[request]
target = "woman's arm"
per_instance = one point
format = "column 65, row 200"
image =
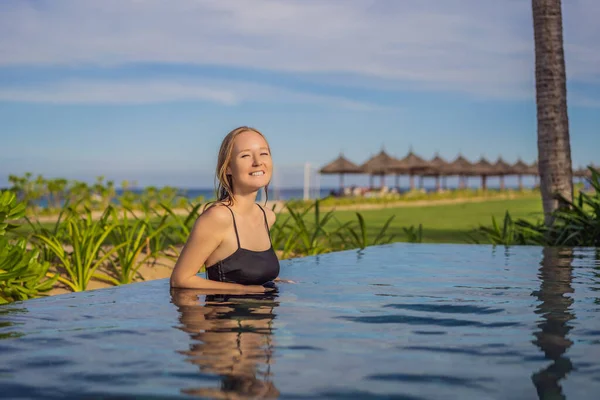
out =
column 206, row 235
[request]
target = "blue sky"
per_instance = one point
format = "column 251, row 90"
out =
column 145, row 90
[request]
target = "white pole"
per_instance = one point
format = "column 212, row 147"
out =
column 306, row 181
column 317, row 186
column 275, row 184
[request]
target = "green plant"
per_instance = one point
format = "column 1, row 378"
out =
column 85, row 237
column 414, row 235
column 133, row 234
column 504, row 235
column 22, row 275
column 183, row 225
column 10, row 211
column 57, row 231
column 311, row 238
column 511, row 232
column 156, row 243
column 579, row 223
column 282, row 236
column 356, row 236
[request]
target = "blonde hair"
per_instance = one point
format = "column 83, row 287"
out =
column 224, row 187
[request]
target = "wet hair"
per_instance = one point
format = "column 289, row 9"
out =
column 224, row 181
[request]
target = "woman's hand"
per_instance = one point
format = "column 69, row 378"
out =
column 258, row 289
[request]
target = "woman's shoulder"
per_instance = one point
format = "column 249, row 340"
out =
column 213, row 222
column 217, row 214
column 271, row 216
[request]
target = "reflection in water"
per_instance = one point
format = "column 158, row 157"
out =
column 231, row 337
column 556, row 275
column 7, row 327
column 596, row 278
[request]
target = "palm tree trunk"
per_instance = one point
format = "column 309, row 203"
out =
column 554, row 147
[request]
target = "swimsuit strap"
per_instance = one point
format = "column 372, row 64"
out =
column 234, row 227
column 266, row 223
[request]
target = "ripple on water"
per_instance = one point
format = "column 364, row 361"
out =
column 416, row 320
column 446, row 308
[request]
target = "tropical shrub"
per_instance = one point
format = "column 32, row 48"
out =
column 577, row 224
column 57, row 230
column 414, row 235
column 301, row 234
column 511, row 232
column 83, row 251
column 282, row 235
column 181, row 226
column 354, row 233
column 131, row 235
column 22, row 274
column 311, row 237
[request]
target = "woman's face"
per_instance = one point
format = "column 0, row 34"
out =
column 251, row 166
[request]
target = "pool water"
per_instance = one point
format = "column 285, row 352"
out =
column 407, row 321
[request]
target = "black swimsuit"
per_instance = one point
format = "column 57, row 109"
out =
column 246, row 267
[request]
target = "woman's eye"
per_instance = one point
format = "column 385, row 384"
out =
column 264, row 154
column 245, row 155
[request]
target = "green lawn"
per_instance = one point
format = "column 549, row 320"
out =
column 445, row 223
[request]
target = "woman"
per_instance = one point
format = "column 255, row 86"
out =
column 232, row 236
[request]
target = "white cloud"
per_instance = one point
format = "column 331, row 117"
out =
column 223, row 92
column 107, row 92
column 482, row 47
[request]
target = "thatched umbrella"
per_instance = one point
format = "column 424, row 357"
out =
column 580, row 172
column 534, row 171
column 341, row 166
column 484, row 169
column 462, row 168
column 520, row 168
column 380, row 164
column 584, row 172
column 502, row 168
column 437, row 167
column 412, row 165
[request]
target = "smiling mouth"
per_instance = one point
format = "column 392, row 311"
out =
column 258, row 173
